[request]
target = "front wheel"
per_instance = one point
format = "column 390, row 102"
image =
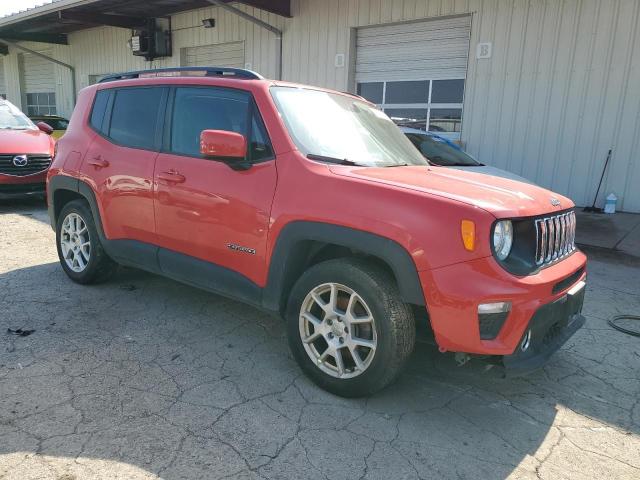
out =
column 79, row 249
column 348, row 328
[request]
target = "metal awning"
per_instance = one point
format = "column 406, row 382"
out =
column 52, row 22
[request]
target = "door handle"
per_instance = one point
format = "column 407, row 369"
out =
column 172, row 176
column 98, row 162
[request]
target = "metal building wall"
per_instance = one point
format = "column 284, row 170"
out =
column 104, row 50
column 561, row 88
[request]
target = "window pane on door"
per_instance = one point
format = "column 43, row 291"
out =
column 408, row 117
column 198, row 109
column 407, row 92
column 447, row 91
column 445, row 120
column 371, row 91
column 135, row 117
column 260, row 145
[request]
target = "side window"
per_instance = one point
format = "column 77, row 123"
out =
column 99, row 109
column 205, row 108
column 260, row 148
column 134, row 116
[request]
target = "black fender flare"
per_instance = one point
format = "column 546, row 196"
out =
column 297, row 232
column 64, row 182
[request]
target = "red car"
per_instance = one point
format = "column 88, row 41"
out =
column 313, row 204
column 26, row 151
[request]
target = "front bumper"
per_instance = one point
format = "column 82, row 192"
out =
column 453, row 294
column 21, row 188
column 35, row 183
column 550, row 328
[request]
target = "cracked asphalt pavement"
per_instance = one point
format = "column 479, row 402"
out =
column 144, row 378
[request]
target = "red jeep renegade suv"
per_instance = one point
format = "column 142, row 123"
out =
column 26, row 150
column 313, row 204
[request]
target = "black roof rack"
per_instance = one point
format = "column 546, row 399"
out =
column 185, row 72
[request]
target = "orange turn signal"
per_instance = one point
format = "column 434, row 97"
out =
column 468, row 231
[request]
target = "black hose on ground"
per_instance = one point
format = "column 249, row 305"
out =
column 613, row 323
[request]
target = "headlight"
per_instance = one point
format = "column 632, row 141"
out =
column 503, row 238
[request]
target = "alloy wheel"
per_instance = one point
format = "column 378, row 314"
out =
column 338, row 331
column 75, row 242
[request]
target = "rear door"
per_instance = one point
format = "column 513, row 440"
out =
column 204, row 208
column 121, row 159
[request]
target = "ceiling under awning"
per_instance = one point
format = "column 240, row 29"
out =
column 55, row 22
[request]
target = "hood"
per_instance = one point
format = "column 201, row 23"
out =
column 25, row 141
column 496, row 172
column 502, row 197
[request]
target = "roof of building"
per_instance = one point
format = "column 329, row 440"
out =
column 51, row 22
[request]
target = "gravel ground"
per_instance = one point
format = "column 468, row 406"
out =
column 145, row 378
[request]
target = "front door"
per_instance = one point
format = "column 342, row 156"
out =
column 204, row 208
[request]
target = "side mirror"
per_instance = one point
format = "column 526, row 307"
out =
column 224, row 144
column 45, row 127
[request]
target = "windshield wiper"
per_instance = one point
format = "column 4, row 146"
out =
column 337, row 161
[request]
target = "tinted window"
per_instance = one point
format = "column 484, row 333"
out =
column 408, row 117
column 198, row 109
column 445, row 120
column 447, row 91
column 134, row 117
column 371, row 91
column 260, row 145
column 99, row 108
column 407, row 92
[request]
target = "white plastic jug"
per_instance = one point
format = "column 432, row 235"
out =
column 610, row 203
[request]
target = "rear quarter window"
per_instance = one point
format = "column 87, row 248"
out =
column 99, row 109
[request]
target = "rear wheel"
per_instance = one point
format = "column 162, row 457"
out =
column 348, row 328
column 79, row 249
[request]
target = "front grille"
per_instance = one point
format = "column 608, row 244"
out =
column 555, row 237
column 35, row 164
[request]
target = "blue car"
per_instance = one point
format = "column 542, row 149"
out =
column 440, row 151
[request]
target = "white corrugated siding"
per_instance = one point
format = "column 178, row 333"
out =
column 38, row 73
column 434, row 49
column 229, row 54
column 562, row 86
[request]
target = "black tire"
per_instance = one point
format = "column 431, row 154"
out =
column 394, row 324
column 99, row 267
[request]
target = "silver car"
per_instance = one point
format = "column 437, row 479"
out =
column 443, row 152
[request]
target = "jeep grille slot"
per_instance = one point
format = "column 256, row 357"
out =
column 555, row 237
column 35, row 164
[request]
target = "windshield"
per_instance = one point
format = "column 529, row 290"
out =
column 332, row 126
column 438, row 151
column 13, row 119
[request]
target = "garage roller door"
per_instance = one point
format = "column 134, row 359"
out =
column 413, row 51
column 219, row 55
column 416, row 72
column 39, row 84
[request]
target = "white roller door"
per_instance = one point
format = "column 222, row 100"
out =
column 416, row 71
column 414, row 51
column 3, row 83
column 39, row 84
column 218, row 55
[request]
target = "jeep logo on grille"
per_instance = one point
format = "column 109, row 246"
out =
column 20, row 160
